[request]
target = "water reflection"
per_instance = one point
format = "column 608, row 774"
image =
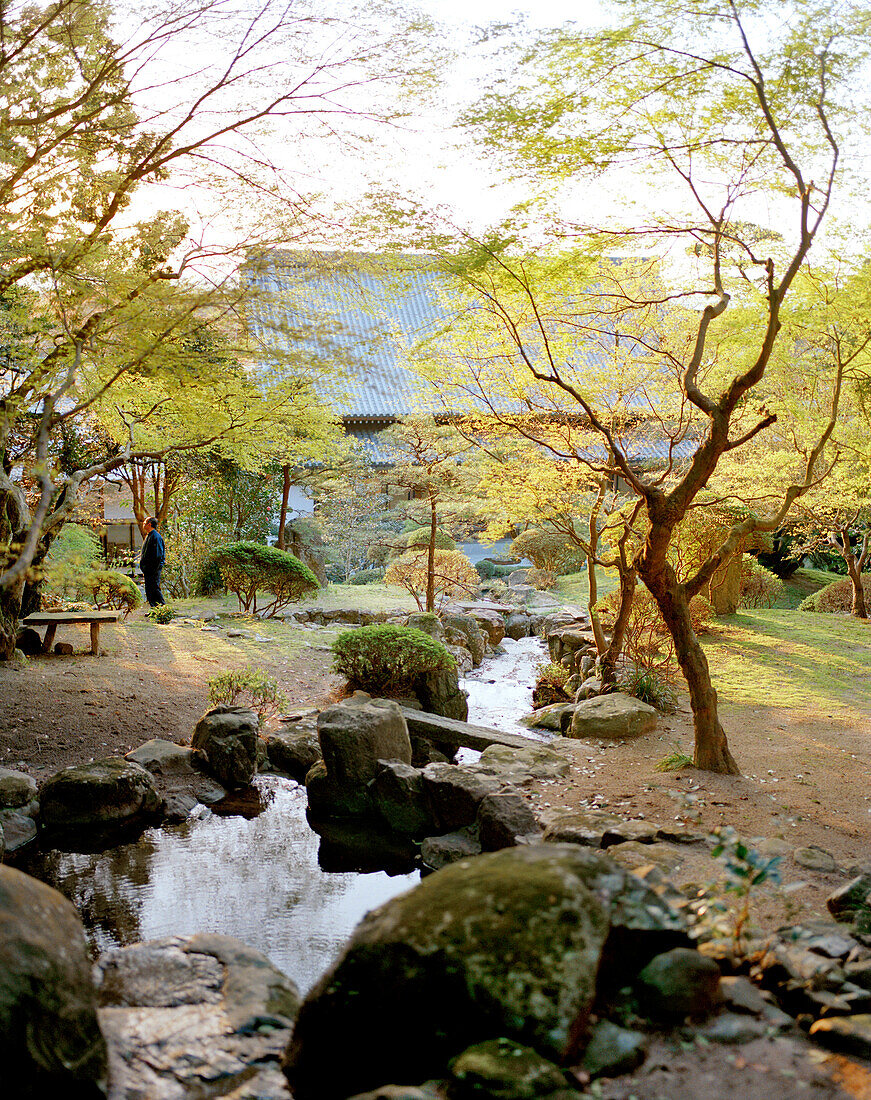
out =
column 257, row 880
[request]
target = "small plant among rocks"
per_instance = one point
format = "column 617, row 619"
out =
column 650, row 685
column 387, row 659
column 550, row 685
column 251, row 686
column 162, row 614
column 744, row 870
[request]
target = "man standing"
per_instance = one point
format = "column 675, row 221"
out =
column 151, row 562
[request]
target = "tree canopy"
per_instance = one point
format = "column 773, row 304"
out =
column 722, row 126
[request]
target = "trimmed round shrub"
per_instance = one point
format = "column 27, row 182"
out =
column 488, row 569
column 387, row 659
column 759, row 586
column 549, row 550
column 835, row 597
column 251, row 567
column 109, row 589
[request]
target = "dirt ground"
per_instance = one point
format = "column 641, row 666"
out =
column 150, row 681
column 805, row 777
column 805, row 783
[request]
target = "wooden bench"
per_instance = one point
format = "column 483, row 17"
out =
column 51, row 620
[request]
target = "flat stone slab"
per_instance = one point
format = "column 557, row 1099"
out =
column 459, row 735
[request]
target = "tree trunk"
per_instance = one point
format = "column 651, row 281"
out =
column 608, row 661
column 711, row 747
column 430, row 556
column 10, row 612
column 285, row 496
column 858, row 609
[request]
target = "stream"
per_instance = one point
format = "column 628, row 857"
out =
column 268, row 880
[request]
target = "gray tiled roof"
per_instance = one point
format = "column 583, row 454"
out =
column 366, row 310
column 370, row 306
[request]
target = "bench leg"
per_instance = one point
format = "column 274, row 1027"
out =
column 48, row 640
column 95, row 639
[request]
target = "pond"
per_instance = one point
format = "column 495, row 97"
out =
column 268, row 879
column 258, row 880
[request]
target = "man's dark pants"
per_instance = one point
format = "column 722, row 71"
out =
column 152, row 587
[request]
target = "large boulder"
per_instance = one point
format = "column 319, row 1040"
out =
column 557, row 717
column 204, row 1015
column 612, row 716
column 463, row 630
column 225, row 743
column 50, row 1039
column 520, row 765
column 16, row 789
column 491, row 623
column 294, row 751
column 17, row 829
column 503, row 819
column 517, row 625
column 429, row 623
column 440, row 693
column 454, row 793
column 101, row 794
column 397, row 794
column 180, row 783
column 507, row 944
column 356, row 734
column 680, row 982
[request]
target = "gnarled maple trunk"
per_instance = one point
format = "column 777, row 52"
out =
column 711, row 747
column 608, row 660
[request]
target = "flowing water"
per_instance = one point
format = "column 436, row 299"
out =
column 268, row 879
column 500, row 691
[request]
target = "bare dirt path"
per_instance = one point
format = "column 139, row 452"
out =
column 152, row 681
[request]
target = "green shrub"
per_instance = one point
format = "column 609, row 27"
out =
column 387, row 659
column 249, row 567
column 549, row 550
column 366, row 576
column 207, row 578
column 162, row 614
column 759, row 586
column 550, row 685
column 109, row 589
column 250, row 685
column 487, row 569
column 835, row 597
column 418, row 539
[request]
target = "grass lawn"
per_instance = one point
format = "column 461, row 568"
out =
column 574, row 587
column 802, row 583
column 797, row 659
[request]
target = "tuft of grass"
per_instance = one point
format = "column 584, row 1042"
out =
column 676, row 761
